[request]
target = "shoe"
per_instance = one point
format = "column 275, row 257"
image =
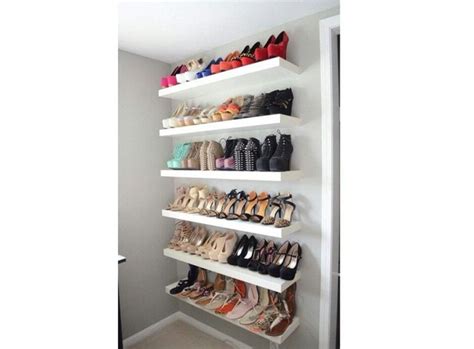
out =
column 269, row 146
column 206, row 71
column 238, row 207
column 210, row 247
column 180, row 153
column 192, row 68
column 215, row 67
column 240, row 292
column 229, row 109
column 288, row 208
column 244, row 259
column 277, row 263
column 239, row 154
column 203, row 156
column 230, row 202
column 245, row 107
column 226, row 64
column 267, row 102
column 236, row 61
column 254, row 107
column 252, row 200
column 261, row 53
column 269, row 314
column 283, row 103
column 204, row 116
column 191, row 162
column 210, row 205
column 203, row 195
column 252, row 316
column 219, row 286
column 291, row 262
column 244, row 305
column 181, row 192
column 198, row 241
column 194, row 197
column 281, row 322
column 171, row 122
column 278, row 47
column 249, row 57
column 200, row 282
column 221, row 200
column 239, row 249
column 280, row 161
column 223, row 247
column 275, row 205
column 266, row 257
column 263, row 200
column 221, row 297
column 228, row 153
column 170, row 80
column 182, row 284
column 252, row 153
column 214, row 151
column 257, row 253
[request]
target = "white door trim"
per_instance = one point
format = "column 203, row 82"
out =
column 328, row 30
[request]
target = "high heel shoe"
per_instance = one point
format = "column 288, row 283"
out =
column 252, row 153
column 214, row 151
column 239, row 249
column 283, row 102
column 263, row 200
column 289, row 208
column 198, row 241
column 216, row 68
column 191, row 162
column 239, row 207
column 194, row 194
column 257, row 254
column 222, row 198
column 267, row 257
column 249, row 57
column 203, row 156
column 291, row 262
column 228, row 154
column 250, row 207
column 210, row 204
column 269, row 146
column 181, row 192
column 210, row 247
column 231, row 200
column 245, row 107
column 236, row 61
column 223, row 247
column 278, row 48
column 239, row 154
column 203, row 194
column 245, row 257
column 277, row 263
column 261, row 53
column 226, row 64
column 170, row 80
column 280, row 160
column 275, row 205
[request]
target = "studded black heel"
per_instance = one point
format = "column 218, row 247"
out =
column 269, row 146
column 239, row 154
column 252, row 153
column 280, row 160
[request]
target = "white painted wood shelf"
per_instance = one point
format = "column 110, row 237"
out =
column 235, row 272
column 278, row 340
column 235, row 175
column 270, row 70
column 247, row 124
column 248, row 227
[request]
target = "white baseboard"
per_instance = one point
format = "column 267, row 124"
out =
column 138, row 337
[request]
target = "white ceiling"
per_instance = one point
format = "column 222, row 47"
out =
column 172, row 31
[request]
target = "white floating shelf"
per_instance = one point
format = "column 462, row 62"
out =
column 235, row 272
column 248, row 227
column 269, row 70
column 247, row 124
column 278, row 340
column 235, row 175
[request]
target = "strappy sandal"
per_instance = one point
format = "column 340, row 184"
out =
column 231, row 200
column 203, row 117
column 181, row 192
column 275, row 205
column 263, row 200
column 290, row 208
column 250, row 207
column 222, row 198
column 203, row 194
column 211, row 202
column 238, row 207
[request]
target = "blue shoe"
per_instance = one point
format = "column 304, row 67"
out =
column 201, row 73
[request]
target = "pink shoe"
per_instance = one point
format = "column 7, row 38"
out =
column 229, row 163
column 246, row 304
column 220, row 163
column 170, row 80
column 164, row 82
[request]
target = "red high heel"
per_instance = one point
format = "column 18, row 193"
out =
column 261, row 53
column 278, row 48
column 249, row 57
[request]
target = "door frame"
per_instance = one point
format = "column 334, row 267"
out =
column 329, row 28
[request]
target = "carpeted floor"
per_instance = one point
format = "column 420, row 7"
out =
column 180, row 335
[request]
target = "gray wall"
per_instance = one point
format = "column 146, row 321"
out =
column 303, row 50
column 143, row 233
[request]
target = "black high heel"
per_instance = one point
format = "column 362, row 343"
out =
column 252, row 153
column 238, row 251
column 280, row 160
column 245, row 257
column 266, row 257
column 239, row 154
column 268, row 101
column 239, row 206
column 230, row 203
column 274, row 268
column 269, row 146
column 289, row 209
column 259, row 249
column 276, row 208
column 282, row 103
column 292, row 260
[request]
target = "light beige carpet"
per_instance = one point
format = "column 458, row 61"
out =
column 180, row 335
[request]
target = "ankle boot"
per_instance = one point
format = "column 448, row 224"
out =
column 239, row 154
column 252, row 153
column 268, row 101
column 228, row 153
column 282, row 103
column 280, row 161
column 268, row 149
